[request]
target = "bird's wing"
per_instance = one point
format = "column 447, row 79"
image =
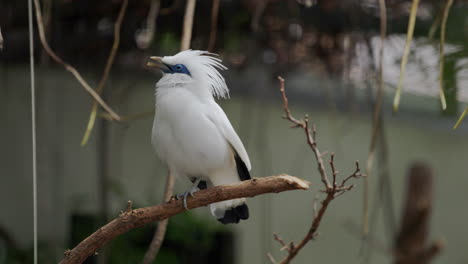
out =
column 218, row 117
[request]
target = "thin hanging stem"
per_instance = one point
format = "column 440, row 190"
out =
column 404, row 61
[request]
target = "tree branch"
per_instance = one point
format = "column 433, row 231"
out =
column 214, row 25
column 410, row 243
column 1, row 40
column 146, row 36
column 332, row 189
column 158, row 237
column 377, row 119
column 304, row 124
column 68, row 67
column 136, row 218
column 188, row 25
column 105, row 75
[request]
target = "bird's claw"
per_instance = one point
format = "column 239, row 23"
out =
column 186, row 194
column 194, row 190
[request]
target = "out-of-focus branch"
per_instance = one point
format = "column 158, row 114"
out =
column 332, row 188
column 411, row 242
column 442, row 53
column 376, row 124
column 214, row 25
column 435, row 25
column 188, row 24
column 1, row 40
column 146, row 36
column 105, row 75
column 404, row 59
column 68, row 67
column 158, row 237
column 259, row 8
column 460, row 119
column 136, row 218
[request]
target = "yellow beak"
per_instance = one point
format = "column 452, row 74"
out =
column 156, row 62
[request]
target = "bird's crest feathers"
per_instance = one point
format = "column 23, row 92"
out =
column 205, row 67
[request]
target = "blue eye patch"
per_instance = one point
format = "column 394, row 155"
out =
column 178, row 68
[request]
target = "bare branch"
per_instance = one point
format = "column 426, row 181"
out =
column 1, row 40
column 214, row 25
column 443, row 102
column 105, row 75
column 271, row 258
column 188, row 25
column 158, row 237
column 139, row 217
column 356, row 174
column 304, row 124
column 145, row 37
column 129, row 206
column 410, row 243
column 68, row 67
column 332, row 190
column 376, row 116
column 281, row 241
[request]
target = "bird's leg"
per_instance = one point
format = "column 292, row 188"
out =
column 191, row 191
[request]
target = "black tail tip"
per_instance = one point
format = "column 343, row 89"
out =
column 234, row 215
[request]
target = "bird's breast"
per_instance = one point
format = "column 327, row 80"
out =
column 185, row 138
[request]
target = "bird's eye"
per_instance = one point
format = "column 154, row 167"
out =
column 178, row 67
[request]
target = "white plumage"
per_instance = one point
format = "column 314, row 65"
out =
column 191, row 132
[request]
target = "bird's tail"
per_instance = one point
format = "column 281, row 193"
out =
column 231, row 211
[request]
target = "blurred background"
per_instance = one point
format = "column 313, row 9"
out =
column 327, row 50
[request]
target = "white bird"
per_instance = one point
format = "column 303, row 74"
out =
column 192, row 134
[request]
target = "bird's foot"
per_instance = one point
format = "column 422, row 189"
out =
column 192, row 191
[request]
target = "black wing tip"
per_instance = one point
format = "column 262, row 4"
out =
column 202, row 185
column 234, row 215
column 242, row 170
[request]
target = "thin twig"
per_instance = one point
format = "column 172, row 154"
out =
column 139, row 217
column 259, row 8
column 376, row 116
column 281, row 241
column 435, row 25
column 158, row 237
column 105, row 75
column 271, row 258
column 68, row 67
column 442, row 54
column 1, row 40
column 404, row 60
column 304, row 124
column 356, row 174
column 129, row 206
column 332, row 190
column 188, row 25
column 214, row 25
column 146, row 36
column 460, row 119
